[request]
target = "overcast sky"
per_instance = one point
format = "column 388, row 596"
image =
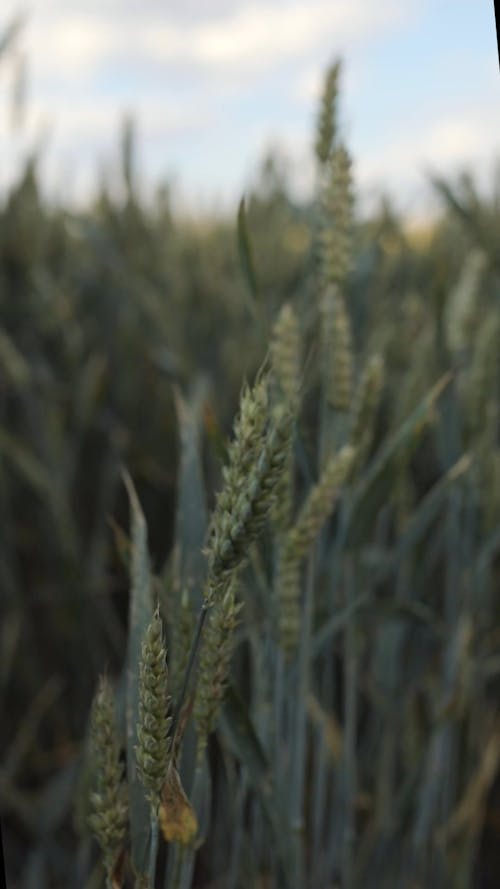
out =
column 213, row 84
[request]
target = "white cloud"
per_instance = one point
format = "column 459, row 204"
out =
column 188, row 66
column 96, row 117
column 444, row 145
column 455, row 140
column 73, row 49
column 461, row 138
column 465, row 139
column 72, row 45
column 263, row 34
column 69, row 41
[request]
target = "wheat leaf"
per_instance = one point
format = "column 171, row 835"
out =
column 140, row 616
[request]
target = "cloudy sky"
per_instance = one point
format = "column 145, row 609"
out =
column 213, row 84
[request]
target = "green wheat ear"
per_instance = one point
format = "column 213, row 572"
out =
column 286, row 353
column 153, row 727
column 320, row 501
column 108, row 804
column 286, row 365
column 246, row 498
column 335, row 235
column 215, row 658
column 288, row 592
column 327, row 117
column 338, row 352
column 365, row 407
column 317, row 507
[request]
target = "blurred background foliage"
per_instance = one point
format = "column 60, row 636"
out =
column 105, row 315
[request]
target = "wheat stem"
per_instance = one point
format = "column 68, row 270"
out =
column 187, row 854
column 299, row 747
column 189, row 669
column 350, row 719
column 153, row 849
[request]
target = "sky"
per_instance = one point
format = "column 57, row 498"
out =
column 213, row 85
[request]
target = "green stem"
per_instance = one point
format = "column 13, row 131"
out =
column 179, row 854
column 277, row 739
column 183, row 862
column 299, row 748
column 189, row 669
column 350, row 719
column 187, row 855
column 153, row 850
column 237, row 835
column 318, row 802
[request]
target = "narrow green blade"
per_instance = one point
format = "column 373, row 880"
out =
column 375, row 484
column 140, row 615
column 191, row 518
column 246, row 256
column 243, row 741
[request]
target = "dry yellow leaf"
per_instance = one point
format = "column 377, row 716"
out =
column 178, row 820
column 116, row 876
